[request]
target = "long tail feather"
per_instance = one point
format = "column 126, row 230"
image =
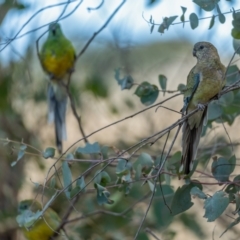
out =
column 57, row 106
column 190, row 142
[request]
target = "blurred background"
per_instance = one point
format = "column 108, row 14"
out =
column 125, row 43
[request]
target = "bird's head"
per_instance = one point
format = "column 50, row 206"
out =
column 205, row 50
column 28, row 205
column 54, row 29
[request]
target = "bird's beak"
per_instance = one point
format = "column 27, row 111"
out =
column 194, row 52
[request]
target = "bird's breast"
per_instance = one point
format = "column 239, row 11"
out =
column 209, row 86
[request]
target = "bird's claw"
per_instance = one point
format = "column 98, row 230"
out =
column 201, row 106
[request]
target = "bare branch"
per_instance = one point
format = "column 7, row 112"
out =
column 96, row 33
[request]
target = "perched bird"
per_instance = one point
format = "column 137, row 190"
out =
column 205, row 80
column 42, row 228
column 57, row 58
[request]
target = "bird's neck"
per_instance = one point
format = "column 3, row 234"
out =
column 209, row 63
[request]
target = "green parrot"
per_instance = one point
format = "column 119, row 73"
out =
column 57, row 58
column 205, row 80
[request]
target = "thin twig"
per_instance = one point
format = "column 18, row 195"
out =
column 95, row 8
column 121, row 214
column 121, row 120
column 75, row 112
column 16, row 36
column 145, row 215
column 148, row 230
column 159, row 177
column 96, row 33
column 203, row 18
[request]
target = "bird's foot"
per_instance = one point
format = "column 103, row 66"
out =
column 201, row 106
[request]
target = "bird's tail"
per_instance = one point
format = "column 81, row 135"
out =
column 57, row 105
column 190, row 141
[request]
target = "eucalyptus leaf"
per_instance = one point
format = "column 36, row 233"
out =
column 89, row 148
column 48, row 152
column 215, row 205
column 193, row 18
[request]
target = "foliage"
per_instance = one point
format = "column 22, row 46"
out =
column 97, row 187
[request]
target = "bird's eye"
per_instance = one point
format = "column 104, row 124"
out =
column 201, row 47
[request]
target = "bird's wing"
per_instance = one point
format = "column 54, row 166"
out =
column 192, row 85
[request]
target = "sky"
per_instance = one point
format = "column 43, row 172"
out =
column 128, row 25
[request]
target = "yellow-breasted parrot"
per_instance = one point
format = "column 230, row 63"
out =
column 57, row 58
column 205, row 80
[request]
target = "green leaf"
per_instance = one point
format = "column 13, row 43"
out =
column 206, row 4
column 222, row 168
column 236, row 24
column 81, row 183
column 163, row 216
column 143, row 165
column 173, row 163
column 48, row 153
column 69, row 157
column 167, row 21
column 182, row 198
column 126, row 82
column 152, row 2
column 50, row 201
column 227, row 99
column 52, row 182
column 181, row 87
column 28, row 218
column 193, row 18
column 235, row 222
column 221, row 16
column 235, row 33
column 214, row 111
column 152, row 27
column 215, row 205
column 196, row 192
column 161, row 28
column 232, row 189
column 212, row 22
column 74, row 192
column 102, row 178
column 236, row 15
column 125, row 186
column 123, row 167
column 89, row 148
column 162, row 82
column 67, row 178
column 182, row 18
column 232, row 74
column 20, row 154
column 147, row 93
column 170, row 20
column 232, row 162
column 102, row 195
column 236, row 45
column 237, row 200
column 151, row 185
column 80, row 187
column 237, row 180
